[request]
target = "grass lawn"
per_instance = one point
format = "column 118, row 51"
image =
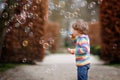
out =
column 6, row 66
column 114, row 65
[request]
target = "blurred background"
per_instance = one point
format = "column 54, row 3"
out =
column 43, row 26
column 37, row 32
column 66, row 12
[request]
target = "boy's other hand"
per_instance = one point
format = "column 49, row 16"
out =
column 71, row 50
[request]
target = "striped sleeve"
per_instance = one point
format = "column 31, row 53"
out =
column 84, row 46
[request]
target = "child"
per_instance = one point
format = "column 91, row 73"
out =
column 82, row 49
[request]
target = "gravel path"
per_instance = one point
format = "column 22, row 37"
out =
column 60, row 67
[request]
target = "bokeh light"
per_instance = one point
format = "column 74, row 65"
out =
column 25, row 43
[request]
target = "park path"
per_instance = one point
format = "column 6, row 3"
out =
column 60, row 67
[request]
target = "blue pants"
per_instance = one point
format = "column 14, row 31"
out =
column 82, row 72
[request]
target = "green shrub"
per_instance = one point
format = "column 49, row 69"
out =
column 6, row 66
column 95, row 50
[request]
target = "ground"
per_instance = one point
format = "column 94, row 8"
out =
column 60, row 67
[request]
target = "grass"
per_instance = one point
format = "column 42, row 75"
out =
column 95, row 49
column 117, row 65
column 114, row 65
column 6, row 66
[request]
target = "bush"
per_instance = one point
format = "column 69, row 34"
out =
column 110, row 30
column 95, row 50
column 22, row 41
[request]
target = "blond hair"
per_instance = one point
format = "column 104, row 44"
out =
column 81, row 26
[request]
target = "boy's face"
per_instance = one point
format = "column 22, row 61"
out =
column 75, row 32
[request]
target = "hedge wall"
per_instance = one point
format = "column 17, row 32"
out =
column 23, row 28
column 110, row 30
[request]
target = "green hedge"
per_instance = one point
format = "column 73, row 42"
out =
column 95, row 50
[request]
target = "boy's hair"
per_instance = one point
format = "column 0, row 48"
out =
column 81, row 26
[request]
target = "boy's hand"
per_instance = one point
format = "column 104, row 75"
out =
column 71, row 50
column 72, row 36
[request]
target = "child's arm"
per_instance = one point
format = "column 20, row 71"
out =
column 73, row 38
column 84, row 46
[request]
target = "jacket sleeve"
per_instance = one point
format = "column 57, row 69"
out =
column 83, row 46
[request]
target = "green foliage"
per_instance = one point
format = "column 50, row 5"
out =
column 114, row 65
column 6, row 66
column 95, row 49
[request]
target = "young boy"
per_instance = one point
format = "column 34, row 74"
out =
column 82, row 49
